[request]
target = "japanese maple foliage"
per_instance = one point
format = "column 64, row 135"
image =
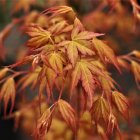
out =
column 68, row 66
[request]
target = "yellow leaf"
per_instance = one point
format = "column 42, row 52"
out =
column 105, row 52
column 121, row 103
column 43, row 125
column 67, row 113
column 100, row 110
column 30, row 78
column 3, row 72
column 85, row 71
column 136, row 71
column 56, row 61
column 8, row 93
column 39, row 36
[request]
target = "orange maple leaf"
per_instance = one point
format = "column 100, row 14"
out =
column 121, row 103
column 8, row 93
column 105, row 52
column 87, row 72
column 67, row 113
column 100, row 110
column 39, row 36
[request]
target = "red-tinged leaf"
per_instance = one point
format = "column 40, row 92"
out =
column 42, row 86
column 8, row 93
column 46, row 82
column 39, row 36
column 136, row 71
column 83, row 71
column 105, row 52
column 112, row 123
column 121, row 103
column 108, row 84
column 43, row 125
column 60, row 27
column 86, row 35
column 100, row 110
column 79, row 33
column 50, row 77
column 73, row 47
column 78, row 43
column 78, row 27
column 54, row 11
column 29, row 79
column 67, row 113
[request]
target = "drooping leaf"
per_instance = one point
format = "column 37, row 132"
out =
column 39, row 36
column 105, row 52
column 46, row 79
column 29, row 79
column 136, row 71
column 43, row 125
column 100, row 110
column 8, row 93
column 58, row 10
column 108, row 84
column 85, row 72
column 121, row 103
column 67, row 113
column 112, row 123
column 3, row 72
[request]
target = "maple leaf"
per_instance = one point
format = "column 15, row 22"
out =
column 108, row 84
column 85, row 71
column 46, row 79
column 8, row 93
column 136, row 71
column 105, row 52
column 100, row 110
column 121, row 103
column 77, row 43
column 67, row 113
column 30, row 78
column 43, row 125
column 57, row 10
column 112, row 123
column 60, row 27
column 38, row 35
column 55, row 61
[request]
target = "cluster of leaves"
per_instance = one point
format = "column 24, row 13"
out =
column 66, row 60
